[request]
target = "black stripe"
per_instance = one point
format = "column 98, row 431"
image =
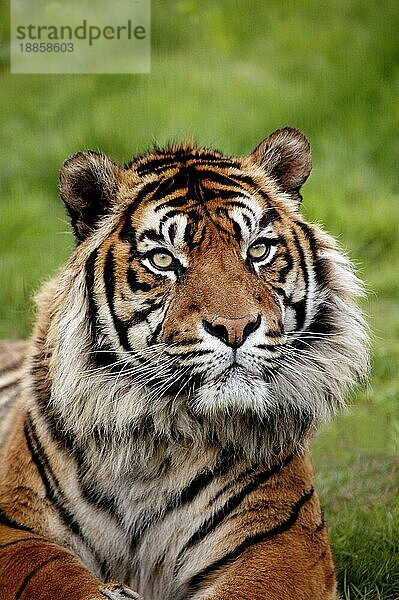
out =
column 35, row 572
column 225, row 461
column 96, row 497
column 151, row 234
column 192, row 353
column 300, row 313
column 200, row 162
column 167, row 186
column 52, row 419
column 175, row 201
column 301, row 306
column 228, row 179
column 197, row 243
column 38, row 458
column 189, row 235
column 142, row 194
column 239, row 204
column 188, row 342
column 221, row 211
column 171, row 213
column 88, row 488
column 274, row 333
column 232, row 503
column 271, row 215
column 135, row 284
column 6, row 520
column 90, row 270
column 310, row 237
column 247, row 221
column 172, row 230
column 141, row 315
column 252, row 540
column 225, row 194
column 194, row 214
column 127, row 233
column 152, row 338
column 51, row 483
column 228, row 192
column 109, row 280
column 274, row 241
column 20, row 541
column 93, row 317
column 269, row 347
column 223, row 163
column 204, row 478
column 42, row 388
column 250, row 471
column 237, row 231
column 235, row 179
column 167, row 162
column 321, row 525
column 102, row 353
column 199, row 154
column 232, row 181
column 289, row 263
column 195, row 191
column 155, row 164
column 53, row 488
column 157, row 170
column 324, row 322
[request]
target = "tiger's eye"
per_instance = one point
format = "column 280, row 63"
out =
column 162, row 260
column 258, row 251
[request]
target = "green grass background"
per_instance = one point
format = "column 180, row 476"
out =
column 226, row 73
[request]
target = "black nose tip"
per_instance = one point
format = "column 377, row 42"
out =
column 233, row 332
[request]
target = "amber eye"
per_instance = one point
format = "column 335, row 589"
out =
column 258, row 251
column 162, row 260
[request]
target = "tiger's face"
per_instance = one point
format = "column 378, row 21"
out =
column 203, row 279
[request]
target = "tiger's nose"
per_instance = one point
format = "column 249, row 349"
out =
column 233, row 332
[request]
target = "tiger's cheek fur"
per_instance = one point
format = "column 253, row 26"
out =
column 132, row 301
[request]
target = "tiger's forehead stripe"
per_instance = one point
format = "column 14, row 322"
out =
column 196, row 179
column 184, row 186
column 161, row 161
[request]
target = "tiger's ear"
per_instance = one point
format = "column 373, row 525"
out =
column 285, row 156
column 88, row 184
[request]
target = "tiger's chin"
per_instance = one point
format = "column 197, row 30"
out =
column 236, row 390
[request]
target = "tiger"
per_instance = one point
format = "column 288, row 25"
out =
column 156, row 428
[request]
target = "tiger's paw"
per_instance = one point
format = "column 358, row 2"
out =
column 118, row 591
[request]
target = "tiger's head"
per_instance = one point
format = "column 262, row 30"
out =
column 197, row 286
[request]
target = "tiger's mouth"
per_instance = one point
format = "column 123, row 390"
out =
column 237, row 372
column 234, row 381
column 235, row 390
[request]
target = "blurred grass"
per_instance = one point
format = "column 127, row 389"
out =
column 226, row 74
